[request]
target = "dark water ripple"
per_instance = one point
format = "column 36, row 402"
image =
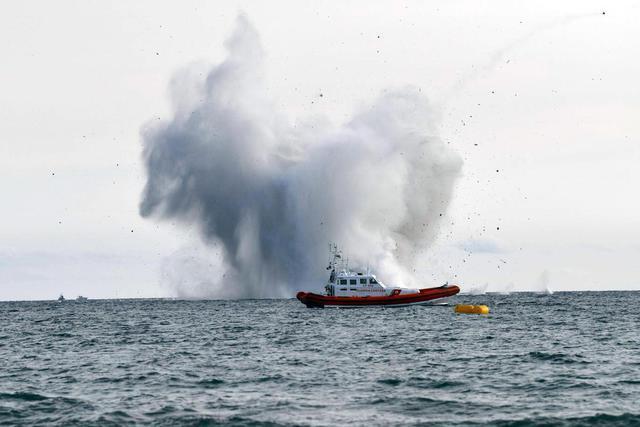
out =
column 563, row 359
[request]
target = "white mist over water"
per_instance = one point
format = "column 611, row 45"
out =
column 543, row 283
column 270, row 195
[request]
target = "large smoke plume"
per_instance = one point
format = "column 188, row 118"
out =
column 272, row 195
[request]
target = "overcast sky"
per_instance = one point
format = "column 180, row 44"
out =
column 540, row 99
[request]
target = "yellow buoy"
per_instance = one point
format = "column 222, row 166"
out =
column 472, row 309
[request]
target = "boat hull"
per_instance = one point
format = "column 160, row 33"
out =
column 425, row 296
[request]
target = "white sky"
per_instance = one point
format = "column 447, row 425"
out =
column 547, row 90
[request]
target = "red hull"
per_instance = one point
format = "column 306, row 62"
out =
column 315, row 300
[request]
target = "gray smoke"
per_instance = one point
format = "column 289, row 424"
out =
column 271, row 195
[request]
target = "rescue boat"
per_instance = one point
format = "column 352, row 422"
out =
column 346, row 288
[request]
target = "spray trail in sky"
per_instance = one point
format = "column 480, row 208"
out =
column 272, row 195
column 497, row 56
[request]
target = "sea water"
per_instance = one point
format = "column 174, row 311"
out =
column 566, row 358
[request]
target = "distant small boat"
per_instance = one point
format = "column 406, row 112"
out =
column 61, row 298
column 81, row 298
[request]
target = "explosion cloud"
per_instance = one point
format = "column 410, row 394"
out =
column 272, row 195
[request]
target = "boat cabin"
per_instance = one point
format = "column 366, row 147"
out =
column 347, row 283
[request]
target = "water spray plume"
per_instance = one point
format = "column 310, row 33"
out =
column 272, row 195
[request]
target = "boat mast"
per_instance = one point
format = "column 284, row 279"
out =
column 335, row 262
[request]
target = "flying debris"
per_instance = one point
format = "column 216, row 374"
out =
column 258, row 185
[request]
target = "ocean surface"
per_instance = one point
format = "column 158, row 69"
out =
column 561, row 359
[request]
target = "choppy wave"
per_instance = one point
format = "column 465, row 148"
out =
column 622, row 420
column 567, row 359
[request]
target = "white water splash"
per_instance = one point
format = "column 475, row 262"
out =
column 270, row 195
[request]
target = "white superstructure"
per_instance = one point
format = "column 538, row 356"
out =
column 345, row 283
